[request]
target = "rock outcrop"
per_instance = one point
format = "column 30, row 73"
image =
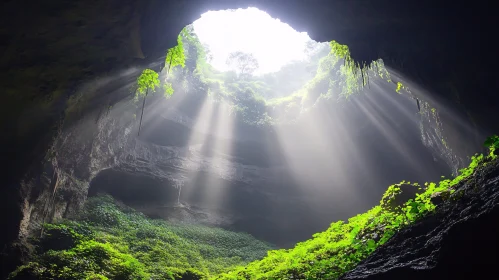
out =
column 458, row 241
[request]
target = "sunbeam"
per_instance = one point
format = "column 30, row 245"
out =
column 220, row 148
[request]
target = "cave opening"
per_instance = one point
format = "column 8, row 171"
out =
column 245, row 137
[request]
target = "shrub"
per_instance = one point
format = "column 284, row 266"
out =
column 63, row 236
column 88, row 260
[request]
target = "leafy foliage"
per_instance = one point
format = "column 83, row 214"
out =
column 168, row 89
column 492, row 143
column 175, row 56
column 112, row 241
column 340, row 50
column 399, row 87
column 89, row 259
column 148, row 80
column 331, row 253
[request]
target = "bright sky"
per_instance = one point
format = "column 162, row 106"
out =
column 271, row 41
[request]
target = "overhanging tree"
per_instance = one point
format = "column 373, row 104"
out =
column 175, row 56
column 148, row 80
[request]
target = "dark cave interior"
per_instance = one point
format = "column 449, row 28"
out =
column 54, row 51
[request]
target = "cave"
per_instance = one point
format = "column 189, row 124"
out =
column 228, row 155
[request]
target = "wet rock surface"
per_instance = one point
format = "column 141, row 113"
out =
column 459, row 241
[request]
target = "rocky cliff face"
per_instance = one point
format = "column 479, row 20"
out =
column 458, row 241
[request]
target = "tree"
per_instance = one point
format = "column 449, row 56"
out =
column 243, row 63
column 175, row 56
column 148, row 80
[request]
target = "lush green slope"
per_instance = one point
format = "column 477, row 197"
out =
column 331, row 253
column 112, row 241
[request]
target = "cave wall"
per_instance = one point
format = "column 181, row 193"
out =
column 281, row 184
column 49, row 50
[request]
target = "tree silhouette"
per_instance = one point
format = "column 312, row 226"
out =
column 243, row 63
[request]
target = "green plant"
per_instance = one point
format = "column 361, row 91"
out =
column 148, row 80
column 175, row 56
column 492, row 143
column 400, row 86
column 64, row 236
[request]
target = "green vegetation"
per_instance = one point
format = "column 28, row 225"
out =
column 399, row 87
column 111, row 241
column 175, row 56
column 148, row 80
column 340, row 248
column 328, row 74
column 492, row 143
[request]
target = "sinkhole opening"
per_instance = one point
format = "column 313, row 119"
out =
column 259, row 70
